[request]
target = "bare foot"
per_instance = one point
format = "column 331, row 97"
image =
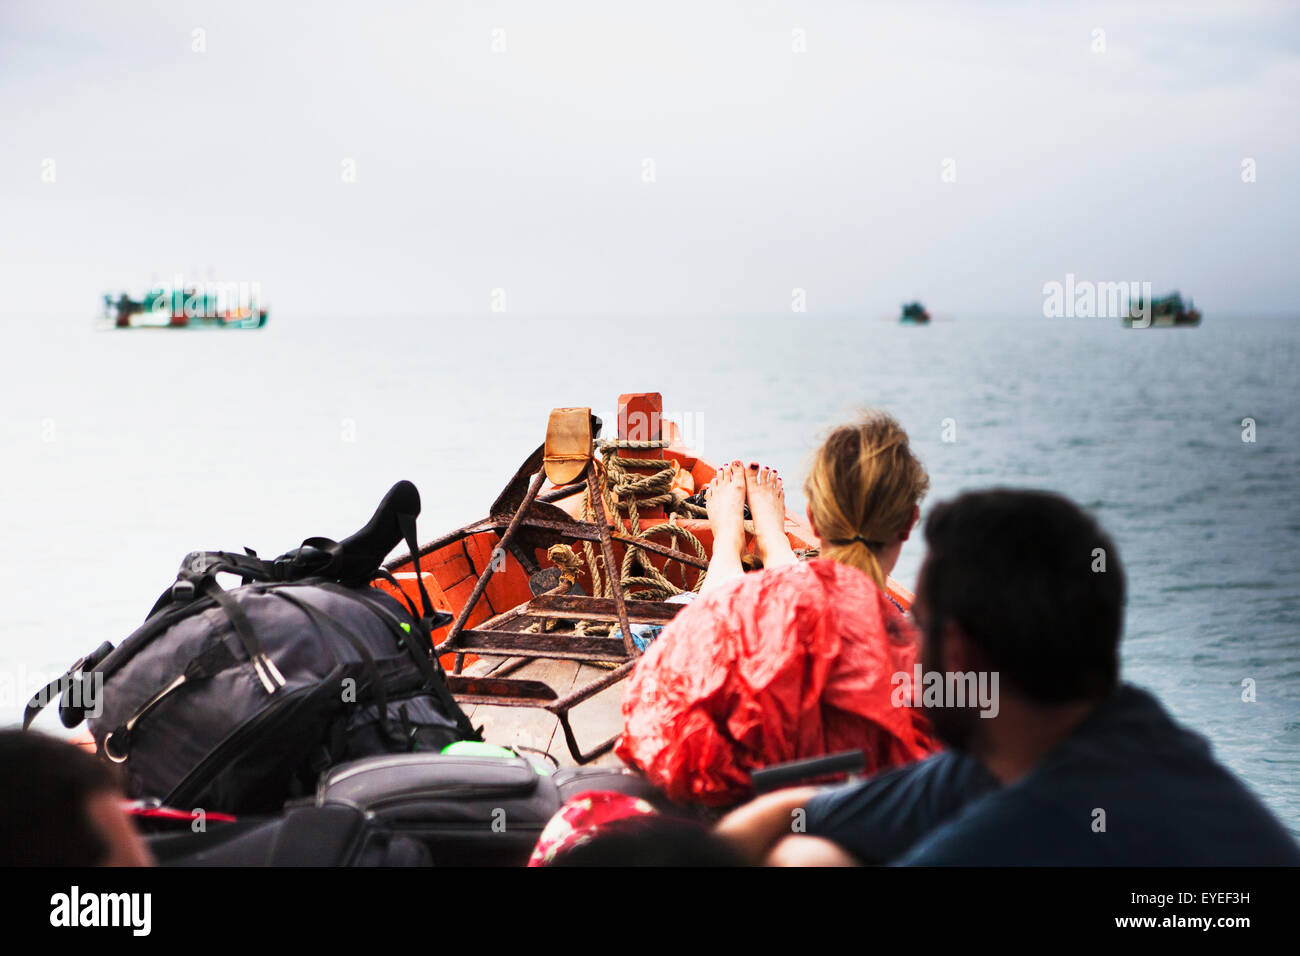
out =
column 766, row 495
column 724, row 501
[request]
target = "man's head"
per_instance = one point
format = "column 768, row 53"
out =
column 61, row 807
column 1023, row 584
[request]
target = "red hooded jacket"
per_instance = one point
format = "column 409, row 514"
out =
column 778, row 665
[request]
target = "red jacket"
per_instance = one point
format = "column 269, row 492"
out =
column 779, row 665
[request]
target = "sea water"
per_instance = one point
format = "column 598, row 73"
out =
column 123, row 451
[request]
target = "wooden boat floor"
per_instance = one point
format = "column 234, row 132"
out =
column 594, row 720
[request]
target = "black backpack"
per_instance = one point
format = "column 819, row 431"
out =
column 237, row 700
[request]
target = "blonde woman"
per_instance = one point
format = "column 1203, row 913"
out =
column 795, row 660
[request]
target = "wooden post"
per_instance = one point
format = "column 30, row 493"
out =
column 639, row 417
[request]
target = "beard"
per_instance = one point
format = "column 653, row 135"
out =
column 956, row 727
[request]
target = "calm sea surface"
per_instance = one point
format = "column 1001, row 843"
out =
column 124, row 451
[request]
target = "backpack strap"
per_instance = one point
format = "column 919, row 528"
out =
column 367, row 659
column 427, row 660
column 265, row 668
column 199, row 564
column 429, row 665
column 60, row 685
column 439, row 617
column 407, row 523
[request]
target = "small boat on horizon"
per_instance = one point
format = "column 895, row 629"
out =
column 216, row 305
column 1163, row 312
column 914, row 313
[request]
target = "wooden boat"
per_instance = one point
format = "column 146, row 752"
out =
column 914, row 313
column 534, row 637
column 186, row 309
column 1163, row 312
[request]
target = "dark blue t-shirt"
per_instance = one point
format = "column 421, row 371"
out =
column 1129, row 787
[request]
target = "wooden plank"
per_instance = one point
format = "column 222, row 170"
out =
column 522, row 692
column 594, row 720
column 505, row 617
column 600, row 609
column 554, row 646
column 530, row 726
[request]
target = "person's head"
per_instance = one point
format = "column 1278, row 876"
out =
column 61, row 807
column 1023, row 584
column 863, row 488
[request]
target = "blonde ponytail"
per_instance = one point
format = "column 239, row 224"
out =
column 863, row 485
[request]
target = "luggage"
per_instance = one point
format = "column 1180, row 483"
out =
column 468, row 811
column 304, row 836
column 236, row 700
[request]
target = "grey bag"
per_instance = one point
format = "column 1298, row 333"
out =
column 236, row 700
column 469, row 811
column 197, row 721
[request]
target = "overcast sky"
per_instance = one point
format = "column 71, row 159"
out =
column 505, row 146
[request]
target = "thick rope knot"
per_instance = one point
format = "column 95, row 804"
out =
column 562, row 556
column 626, row 484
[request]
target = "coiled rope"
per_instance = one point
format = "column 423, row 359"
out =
column 626, row 484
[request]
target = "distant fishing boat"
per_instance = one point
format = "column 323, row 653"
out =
column 1164, row 312
column 914, row 313
column 224, row 306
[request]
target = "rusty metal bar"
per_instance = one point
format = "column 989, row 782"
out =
column 612, row 571
column 590, row 690
column 525, row 559
column 505, row 617
column 561, row 708
column 661, row 550
column 451, row 537
column 481, row 584
column 580, row 530
column 589, row 531
column 560, row 493
column 509, row 666
column 575, row 751
column 570, row 647
column 597, row 609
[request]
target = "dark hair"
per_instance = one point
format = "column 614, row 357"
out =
column 651, row 841
column 45, row 785
column 1020, row 572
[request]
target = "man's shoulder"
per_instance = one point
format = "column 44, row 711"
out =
column 1022, row 828
column 1131, row 787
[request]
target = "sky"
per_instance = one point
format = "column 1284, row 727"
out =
column 601, row 159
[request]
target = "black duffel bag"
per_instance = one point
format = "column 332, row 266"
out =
column 469, row 810
column 303, row 836
column 238, row 700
